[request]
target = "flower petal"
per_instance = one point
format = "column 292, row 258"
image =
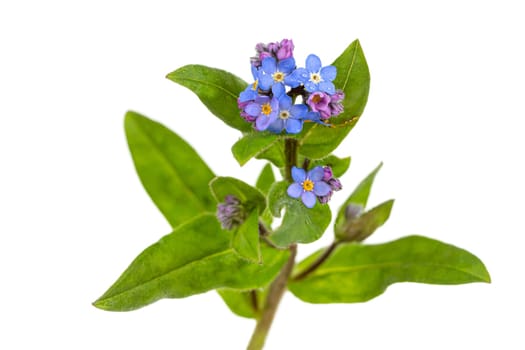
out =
column 316, row 174
column 287, row 65
column 321, row 188
column 300, row 74
column 295, row 190
column 327, row 86
column 308, row 199
column 278, row 90
column 310, row 86
column 262, row 122
column 313, row 63
column 265, row 82
column 285, row 102
column 269, row 65
column 328, row 73
column 277, row 126
column 253, row 109
column 298, row 174
column 294, row 126
column 298, row 111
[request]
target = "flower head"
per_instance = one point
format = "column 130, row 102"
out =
column 308, row 186
column 315, row 77
column 277, row 72
column 230, row 213
column 290, row 116
column 264, row 110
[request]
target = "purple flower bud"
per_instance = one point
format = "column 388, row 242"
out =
column 285, row 50
column 336, row 103
column 335, row 184
column 230, row 213
column 327, row 173
column 325, row 199
column 319, row 102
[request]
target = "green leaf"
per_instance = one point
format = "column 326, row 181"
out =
column 173, row 174
column 339, row 165
column 274, row 154
column 252, row 145
column 195, row 258
column 363, row 226
column 217, row 89
column 353, row 78
column 245, row 240
column 357, row 272
column 300, row 224
column 249, row 196
column 266, row 179
column 358, row 197
column 245, row 303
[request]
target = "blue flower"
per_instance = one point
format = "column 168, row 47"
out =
column 273, row 72
column 315, row 77
column 308, row 186
column 264, row 109
column 290, row 116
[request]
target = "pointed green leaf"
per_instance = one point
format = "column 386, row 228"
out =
column 170, row 170
column 266, row 179
column 300, row 224
column 274, row 154
column 245, row 303
column 339, row 165
column 195, row 258
column 363, row 226
column 217, row 89
column 252, row 145
column 249, row 196
column 358, row 197
column 353, row 78
column 357, row 272
column 245, row 241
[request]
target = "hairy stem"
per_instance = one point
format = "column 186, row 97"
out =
column 290, row 151
column 275, row 294
column 321, row 259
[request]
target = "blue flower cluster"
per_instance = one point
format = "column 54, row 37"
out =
column 270, row 102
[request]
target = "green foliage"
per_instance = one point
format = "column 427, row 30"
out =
column 217, row 89
column 245, row 240
column 248, row 195
column 358, row 197
column 195, row 258
column 170, row 170
column 266, row 179
column 364, row 225
column 300, row 224
column 353, row 78
column 357, row 272
column 252, row 145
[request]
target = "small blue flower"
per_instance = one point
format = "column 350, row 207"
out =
column 290, row 116
column 315, row 77
column 264, row 109
column 308, row 186
column 273, row 72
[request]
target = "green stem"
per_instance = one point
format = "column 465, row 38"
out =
column 275, row 294
column 278, row 286
column 321, row 259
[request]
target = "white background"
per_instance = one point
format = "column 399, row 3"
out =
column 445, row 114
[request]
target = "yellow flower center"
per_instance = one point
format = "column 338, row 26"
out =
column 315, row 77
column 278, row 77
column 266, row 109
column 308, row 185
column 284, row 115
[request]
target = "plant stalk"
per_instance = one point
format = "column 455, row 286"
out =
column 321, row 259
column 275, row 294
